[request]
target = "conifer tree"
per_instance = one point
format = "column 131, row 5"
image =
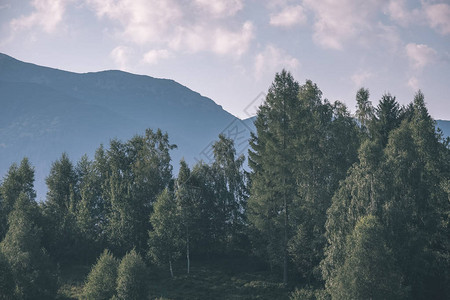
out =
column 60, row 231
column 273, row 182
column 19, row 179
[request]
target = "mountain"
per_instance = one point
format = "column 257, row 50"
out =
column 46, row 111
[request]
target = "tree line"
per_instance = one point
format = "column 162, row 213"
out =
column 341, row 206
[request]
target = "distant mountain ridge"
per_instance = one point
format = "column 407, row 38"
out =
column 45, row 111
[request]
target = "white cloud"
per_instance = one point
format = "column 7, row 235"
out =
column 272, row 60
column 121, row 55
column 154, row 56
column 219, row 40
column 229, row 42
column 336, row 22
column 289, row 16
column 420, row 55
column 398, row 12
column 47, row 14
column 413, row 83
column 439, row 17
column 179, row 25
column 360, row 77
column 220, row 8
column 143, row 21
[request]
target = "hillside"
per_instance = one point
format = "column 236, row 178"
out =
column 47, row 111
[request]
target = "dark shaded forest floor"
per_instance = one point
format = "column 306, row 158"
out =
column 227, row 278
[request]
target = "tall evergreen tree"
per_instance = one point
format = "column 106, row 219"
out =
column 273, row 182
column 60, row 231
column 19, row 179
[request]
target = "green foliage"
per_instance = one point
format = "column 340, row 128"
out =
column 60, row 231
column 132, row 277
column 165, row 239
column 396, row 180
column 303, row 148
column 7, row 285
column 32, row 271
column 138, row 171
column 369, row 270
column 101, row 281
column 19, row 179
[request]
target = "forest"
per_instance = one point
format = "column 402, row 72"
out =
column 334, row 206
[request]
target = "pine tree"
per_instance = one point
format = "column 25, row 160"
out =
column 88, row 211
column 132, row 277
column 60, row 231
column 101, row 281
column 19, row 179
column 273, row 182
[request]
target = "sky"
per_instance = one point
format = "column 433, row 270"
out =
column 230, row 50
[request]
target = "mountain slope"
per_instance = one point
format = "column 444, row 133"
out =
column 45, row 112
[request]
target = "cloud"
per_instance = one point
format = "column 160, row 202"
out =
column 272, row 60
column 121, row 55
column 143, row 21
column 438, row 16
column 154, row 56
column 289, row 16
column 413, row 83
column 398, row 12
column 360, row 77
column 420, row 55
column 47, row 14
column 178, row 25
column 219, row 40
column 336, row 22
column 220, row 8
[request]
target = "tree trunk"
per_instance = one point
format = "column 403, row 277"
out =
column 285, row 254
column 170, row 266
column 187, row 250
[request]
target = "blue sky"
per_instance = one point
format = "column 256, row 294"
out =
column 229, row 50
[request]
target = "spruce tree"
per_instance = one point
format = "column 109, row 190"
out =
column 60, row 231
column 273, row 182
column 18, row 179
